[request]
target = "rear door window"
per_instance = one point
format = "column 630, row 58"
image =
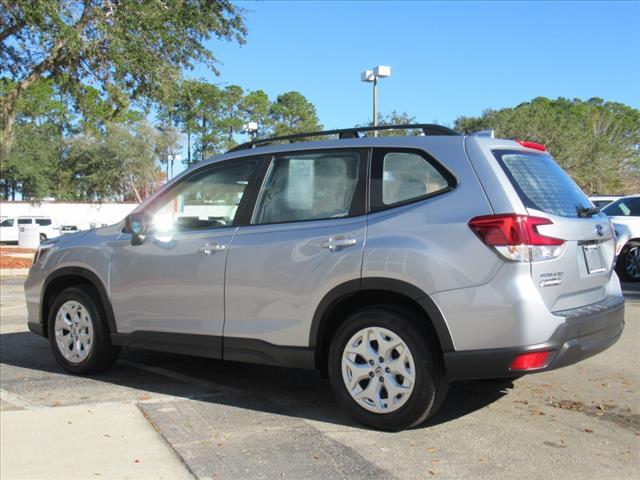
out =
column 312, row 186
column 25, row 221
column 542, row 184
column 626, row 207
column 401, row 176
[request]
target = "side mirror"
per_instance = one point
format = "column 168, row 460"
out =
column 137, row 225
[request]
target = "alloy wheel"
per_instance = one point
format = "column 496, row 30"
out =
column 73, row 331
column 378, row 370
column 632, row 262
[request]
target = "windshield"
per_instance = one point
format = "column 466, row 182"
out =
column 625, row 207
column 542, row 184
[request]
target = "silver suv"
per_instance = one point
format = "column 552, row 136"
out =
column 394, row 265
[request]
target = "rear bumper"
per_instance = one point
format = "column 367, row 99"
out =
column 586, row 331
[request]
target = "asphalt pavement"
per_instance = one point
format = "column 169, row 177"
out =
column 159, row 415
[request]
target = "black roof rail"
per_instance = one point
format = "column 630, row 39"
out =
column 427, row 129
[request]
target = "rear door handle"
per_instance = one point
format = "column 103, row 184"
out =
column 334, row 243
column 210, row 248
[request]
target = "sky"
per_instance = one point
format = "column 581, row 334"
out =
column 447, row 59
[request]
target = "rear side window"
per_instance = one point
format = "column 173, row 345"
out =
column 312, row 186
column 542, row 184
column 25, row 221
column 43, row 222
column 625, row 207
column 401, row 176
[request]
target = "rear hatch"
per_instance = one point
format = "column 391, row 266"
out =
column 578, row 275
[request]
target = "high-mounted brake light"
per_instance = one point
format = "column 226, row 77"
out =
column 530, row 361
column 534, row 145
column 516, row 237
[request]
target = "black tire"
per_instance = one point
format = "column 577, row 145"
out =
column 43, row 238
column 430, row 382
column 103, row 353
column 627, row 255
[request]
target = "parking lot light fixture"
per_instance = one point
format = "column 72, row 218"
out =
column 250, row 128
column 381, row 71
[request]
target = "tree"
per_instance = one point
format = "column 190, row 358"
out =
column 292, row 113
column 254, row 107
column 31, row 167
column 395, row 118
column 594, row 140
column 126, row 49
column 119, row 163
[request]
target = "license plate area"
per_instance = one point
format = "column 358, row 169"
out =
column 593, row 258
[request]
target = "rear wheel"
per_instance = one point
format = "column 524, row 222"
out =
column 628, row 265
column 43, row 238
column 78, row 333
column 384, row 371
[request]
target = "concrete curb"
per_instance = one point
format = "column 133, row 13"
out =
column 14, row 272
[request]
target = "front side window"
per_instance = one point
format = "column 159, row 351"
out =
column 43, row 222
column 7, row 223
column 206, row 199
column 311, row 186
column 25, row 221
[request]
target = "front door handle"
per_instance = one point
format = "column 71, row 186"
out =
column 210, row 248
column 337, row 242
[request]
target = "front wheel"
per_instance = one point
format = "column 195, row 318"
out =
column 628, row 265
column 383, row 370
column 78, row 333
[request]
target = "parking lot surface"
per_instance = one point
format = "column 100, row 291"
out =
column 219, row 420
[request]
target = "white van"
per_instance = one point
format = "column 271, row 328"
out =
column 10, row 228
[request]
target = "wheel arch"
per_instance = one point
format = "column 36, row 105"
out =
column 350, row 296
column 68, row 277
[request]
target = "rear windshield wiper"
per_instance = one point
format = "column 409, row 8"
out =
column 587, row 212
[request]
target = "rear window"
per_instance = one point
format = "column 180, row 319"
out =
column 542, row 184
column 625, row 207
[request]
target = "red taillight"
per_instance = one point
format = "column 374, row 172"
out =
column 534, row 145
column 511, row 229
column 530, row 361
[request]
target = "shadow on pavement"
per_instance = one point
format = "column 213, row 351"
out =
column 631, row 290
column 283, row 391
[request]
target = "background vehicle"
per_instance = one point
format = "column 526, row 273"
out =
column 625, row 215
column 602, row 201
column 10, row 228
column 394, row 265
column 65, row 229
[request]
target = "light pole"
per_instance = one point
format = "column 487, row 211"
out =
column 381, row 71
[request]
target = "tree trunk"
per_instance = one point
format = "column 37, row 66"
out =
column 204, row 132
column 188, row 149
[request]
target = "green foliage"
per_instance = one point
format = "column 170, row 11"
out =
column 595, row 141
column 119, row 163
column 132, row 47
column 292, row 113
column 395, row 118
column 31, row 167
